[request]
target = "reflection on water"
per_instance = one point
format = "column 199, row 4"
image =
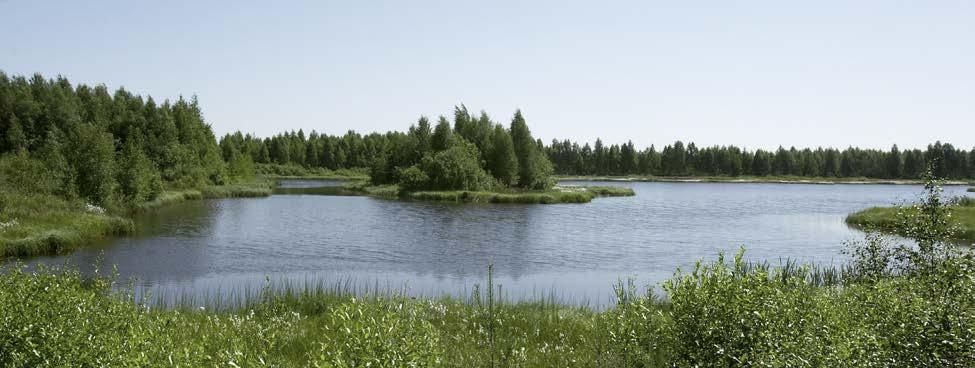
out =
column 575, row 250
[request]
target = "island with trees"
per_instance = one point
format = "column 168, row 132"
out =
column 472, row 159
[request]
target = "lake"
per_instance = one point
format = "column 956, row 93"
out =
column 573, row 252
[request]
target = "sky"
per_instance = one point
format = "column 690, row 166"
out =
column 757, row 74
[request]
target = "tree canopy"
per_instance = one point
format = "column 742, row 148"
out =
column 105, row 147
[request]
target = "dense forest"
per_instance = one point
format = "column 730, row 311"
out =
column 384, row 153
column 105, row 148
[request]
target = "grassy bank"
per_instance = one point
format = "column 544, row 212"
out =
column 754, row 179
column 888, row 219
column 32, row 224
column 971, row 189
column 256, row 188
column 44, row 224
column 568, row 194
column 276, row 171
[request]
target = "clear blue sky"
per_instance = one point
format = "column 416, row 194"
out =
column 758, row 74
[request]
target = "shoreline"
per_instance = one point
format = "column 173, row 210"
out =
column 570, row 194
column 49, row 226
column 884, row 219
column 752, row 180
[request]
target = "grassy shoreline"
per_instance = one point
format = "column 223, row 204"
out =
column 276, row 171
column 33, row 225
column 886, row 219
column 567, row 194
column 316, row 177
column 44, row 224
column 753, row 180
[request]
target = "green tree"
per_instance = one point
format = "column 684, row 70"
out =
column 16, row 139
column 534, row 169
column 628, row 159
column 422, row 134
column 20, row 172
column 138, row 178
column 443, row 136
column 761, row 163
column 51, row 153
column 92, row 158
column 503, row 162
column 895, row 164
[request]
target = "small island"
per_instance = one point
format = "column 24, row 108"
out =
column 474, row 160
column 556, row 194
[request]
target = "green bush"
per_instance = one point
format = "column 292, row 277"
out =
column 456, row 168
column 379, row 333
column 412, row 179
column 23, row 173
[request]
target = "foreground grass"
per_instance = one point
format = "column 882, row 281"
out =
column 887, row 219
column 774, row 179
column 32, row 224
column 720, row 315
column 567, row 194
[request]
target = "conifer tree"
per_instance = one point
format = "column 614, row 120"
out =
column 503, row 162
column 443, row 136
column 534, row 169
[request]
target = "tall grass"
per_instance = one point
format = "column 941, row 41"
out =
column 45, row 224
column 259, row 188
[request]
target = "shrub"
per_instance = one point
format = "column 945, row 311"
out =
column 412, row 179
column 456, row 168
column 379, row 333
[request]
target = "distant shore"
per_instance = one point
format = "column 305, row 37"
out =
column 753, row 180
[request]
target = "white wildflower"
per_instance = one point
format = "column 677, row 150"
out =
column 90, row 208
column 8, row 224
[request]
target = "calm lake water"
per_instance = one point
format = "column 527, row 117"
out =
column 572, row 251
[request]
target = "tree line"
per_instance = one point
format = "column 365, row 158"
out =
column 396, row 149
column 79, row 141
column 470, row 153
column 678, row 159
